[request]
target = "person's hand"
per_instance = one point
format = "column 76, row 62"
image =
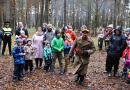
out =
column 27, row 51
column 70, row 57
column 59, row 50
column 31, row 51
column 23, row 39
column 51, row 57
column 8, row 35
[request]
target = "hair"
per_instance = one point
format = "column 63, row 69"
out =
column 67, row 35
column 84, row 26
column 21, row 22
column 22, row 32
column 100, row 27
column 39, row 28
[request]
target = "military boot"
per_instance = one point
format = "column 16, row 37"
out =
column 77, row 78
column 81, row 82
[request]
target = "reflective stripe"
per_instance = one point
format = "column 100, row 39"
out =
column 7, row 30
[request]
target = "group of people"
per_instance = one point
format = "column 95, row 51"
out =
column 50, row 44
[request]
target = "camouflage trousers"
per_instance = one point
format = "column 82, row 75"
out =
column 55, row 56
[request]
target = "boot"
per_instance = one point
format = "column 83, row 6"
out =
column 20, row 79
column 14, row 78
column 77, row 78
column 81, row 82
column 124, row 73
column 115, row 74
column 109, row 74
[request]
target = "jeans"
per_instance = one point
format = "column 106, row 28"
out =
column 17, row 71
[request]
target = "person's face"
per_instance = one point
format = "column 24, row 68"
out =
column 106, row 29
column 127, row 33
column 85, row 36
column 50, row 28
column 22, row 34
column 58, row 34
column 129, row 45
column 83, row 28
column 117, row 32
column 39, row 30
column 29, row 42
column 109, row 28
column 20, row 44
column 48, row 45
column 20, row 25
column 69, row 36
column 6, row 25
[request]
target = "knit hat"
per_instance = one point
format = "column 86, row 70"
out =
column 128, row 43
column 28, row 40
column 49, row 25
column 63, row 28
column 127, row 30
column 57, row 31
column 69, row 27
column 16, row 37
column 110, row 26
column 18, row 41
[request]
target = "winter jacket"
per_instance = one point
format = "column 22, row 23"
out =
column 7, row 30
column 73, row 37
column 100, row 32
column 80, row 34
column 17, row 32
column 18, row 58
column 47, row 53
column 29, row 54
column 37, row 43
column 67, row 46
column 48, row 36
column 24, row 39
column 57, row 44
column 1, row 36
column 117, row 44
column 126, row 54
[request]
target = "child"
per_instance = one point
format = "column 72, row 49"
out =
column 57, row 45
column 23, row 37
column 48, row 56
column 1, row 38
column 67, row 45
column 126, row 55
column 16, row 37
column 18, row 55
column 29, row 50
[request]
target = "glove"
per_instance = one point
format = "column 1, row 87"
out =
column 85, row 52
column 70, row 57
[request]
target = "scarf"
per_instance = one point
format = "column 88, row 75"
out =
column 39, row 34
column 69, row 39
column 19, row 47
column 58, row 37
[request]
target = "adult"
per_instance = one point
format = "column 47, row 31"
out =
column 1, row 38
column 37, row 40
column 82, row 28
column 7, row 31
column 62, row 33
column 48, row 35
column 21, row 28
column 117, row 44
column 107, row 38
column 85, row 47
column 100, row 37
column 105, row 34
column 70, row 31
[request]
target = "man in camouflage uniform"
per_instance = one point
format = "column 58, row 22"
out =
column 85, row 47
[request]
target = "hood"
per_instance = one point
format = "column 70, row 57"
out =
column 127, row 29
column 68, row 31
column 118, row 28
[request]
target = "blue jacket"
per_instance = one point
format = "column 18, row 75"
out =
column 18, row 59
column 67, row 46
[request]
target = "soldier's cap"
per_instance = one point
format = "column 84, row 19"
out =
column 6, row 23
column 85, row 31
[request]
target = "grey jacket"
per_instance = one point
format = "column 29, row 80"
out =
column 48, row 36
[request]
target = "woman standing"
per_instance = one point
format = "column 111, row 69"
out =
column 100, row 38
column 37, row 43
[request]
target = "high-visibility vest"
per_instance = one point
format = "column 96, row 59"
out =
column 7, row 31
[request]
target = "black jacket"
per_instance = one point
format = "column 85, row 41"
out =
column 1, row 36
column 17, row 32
column 117, row 44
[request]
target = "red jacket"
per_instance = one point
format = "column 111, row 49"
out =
column 73, row 37
column 126, row 53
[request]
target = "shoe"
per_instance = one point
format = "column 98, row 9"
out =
column 77, row 78
column 81, row 82
column 31, row 71
column 36, row 67
column 20, row 79
column 67, row 73
column 61, row 72
column 14, row 80
column 109, row 74
column 115, row 74
column 40, row 67
column 54, row 72
column 26, row 72
column 105, row 71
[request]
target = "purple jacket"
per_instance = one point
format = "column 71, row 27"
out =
column 80, row 34
column 37, row 43
column 24, row 39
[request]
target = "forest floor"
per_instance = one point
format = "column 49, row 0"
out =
column 39, row 80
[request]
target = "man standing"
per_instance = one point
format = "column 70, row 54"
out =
column 107, row 38
column 21, row 28
column 7, row 31
column 85, row 47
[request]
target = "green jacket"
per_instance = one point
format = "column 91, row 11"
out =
column 57, row 44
